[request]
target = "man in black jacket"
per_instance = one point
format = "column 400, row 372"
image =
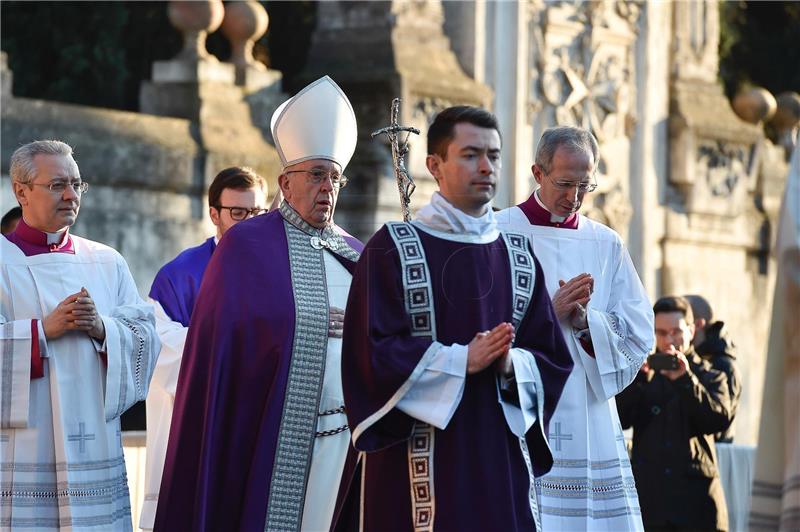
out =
column 713, row 343
column 674, row 414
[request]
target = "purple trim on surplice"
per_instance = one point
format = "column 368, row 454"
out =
column 232, row 384
column 177, row 282
column 481, row 480
column 34, row 242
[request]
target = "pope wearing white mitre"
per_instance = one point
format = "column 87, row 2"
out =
column 607, row 322
column 259, row 432
column 77, row 348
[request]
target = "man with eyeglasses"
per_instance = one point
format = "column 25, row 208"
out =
column 259, row 434
column 608, row 324
column 235, row 194
column 78, row 347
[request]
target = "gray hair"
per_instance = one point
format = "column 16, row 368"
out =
column 574, row 139
column 22, row 169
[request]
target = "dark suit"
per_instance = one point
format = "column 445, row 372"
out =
column 674, row 460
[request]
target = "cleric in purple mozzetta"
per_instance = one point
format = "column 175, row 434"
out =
column 453, row 358
column 235, row 194
column 259, row 435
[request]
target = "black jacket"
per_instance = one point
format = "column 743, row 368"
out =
column 718, row 349
column 674, row 460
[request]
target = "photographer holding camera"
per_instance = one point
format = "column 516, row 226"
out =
column 675, row 405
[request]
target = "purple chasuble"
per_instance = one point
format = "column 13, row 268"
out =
column 232, row 383
column 177, row 282
column 34, row 242
column 481, row 481
column 538, row 215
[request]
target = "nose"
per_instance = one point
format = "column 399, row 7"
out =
column 70, row 194
column 485, row 166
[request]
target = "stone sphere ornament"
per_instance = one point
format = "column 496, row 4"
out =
column 245, row 22
column 788, row 114
column 196, row 19
column 755, row 106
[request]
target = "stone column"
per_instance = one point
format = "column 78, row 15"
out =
column 6, row 79
column 195, row 85
column 717, row 240
column 377, row 51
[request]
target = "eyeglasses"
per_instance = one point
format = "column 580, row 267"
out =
column 59, row 187
column 316, row 177
column 583, row 186
column 240, row 213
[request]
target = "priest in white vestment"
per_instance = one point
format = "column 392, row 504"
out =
column 607, row 321
column 77, row 348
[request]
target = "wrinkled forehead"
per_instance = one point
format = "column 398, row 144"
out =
column 56, row 166
column 325, row 165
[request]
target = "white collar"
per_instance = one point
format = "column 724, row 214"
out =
column 440, row 218
column 554, row 218
column 55, row 238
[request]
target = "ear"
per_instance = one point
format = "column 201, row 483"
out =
column 537, row 173
column 214, row 214
column 433, row 162
column 700, row 323
column 283, row 183
column 20, row 192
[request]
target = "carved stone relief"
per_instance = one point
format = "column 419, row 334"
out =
column 583, row 73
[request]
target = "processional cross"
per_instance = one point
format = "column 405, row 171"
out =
column 405, row 183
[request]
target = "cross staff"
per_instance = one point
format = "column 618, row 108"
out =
column 405, row 184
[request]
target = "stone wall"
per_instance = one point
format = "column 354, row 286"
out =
column 148, row 174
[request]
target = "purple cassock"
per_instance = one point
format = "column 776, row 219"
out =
column 245, row 411
column 411, row 288
column 177, row 283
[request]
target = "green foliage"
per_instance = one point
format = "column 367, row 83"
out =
column 760, row 45
column 98, row 53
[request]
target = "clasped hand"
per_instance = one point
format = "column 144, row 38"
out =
column 76, row 313
column 571, row 298
column 489, row 346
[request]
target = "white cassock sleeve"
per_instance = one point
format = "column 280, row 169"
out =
column 16, row 345
column 173, row 337
column 622, row 335
column 160, row 401
column 521, row 417
column 434, row 397
column 132, row 347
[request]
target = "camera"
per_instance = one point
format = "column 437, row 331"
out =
column 660, row 361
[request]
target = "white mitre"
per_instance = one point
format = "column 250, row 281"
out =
column 317, row 123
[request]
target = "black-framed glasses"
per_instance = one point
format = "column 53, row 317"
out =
column 240, row 213
column 583, row 186
column 59, row 187
column 316, row 176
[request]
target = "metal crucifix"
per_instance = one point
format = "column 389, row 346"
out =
column 405, row 183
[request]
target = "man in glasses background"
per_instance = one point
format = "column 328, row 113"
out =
column 608, row 325
column 235, row 194
column 78, row 346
